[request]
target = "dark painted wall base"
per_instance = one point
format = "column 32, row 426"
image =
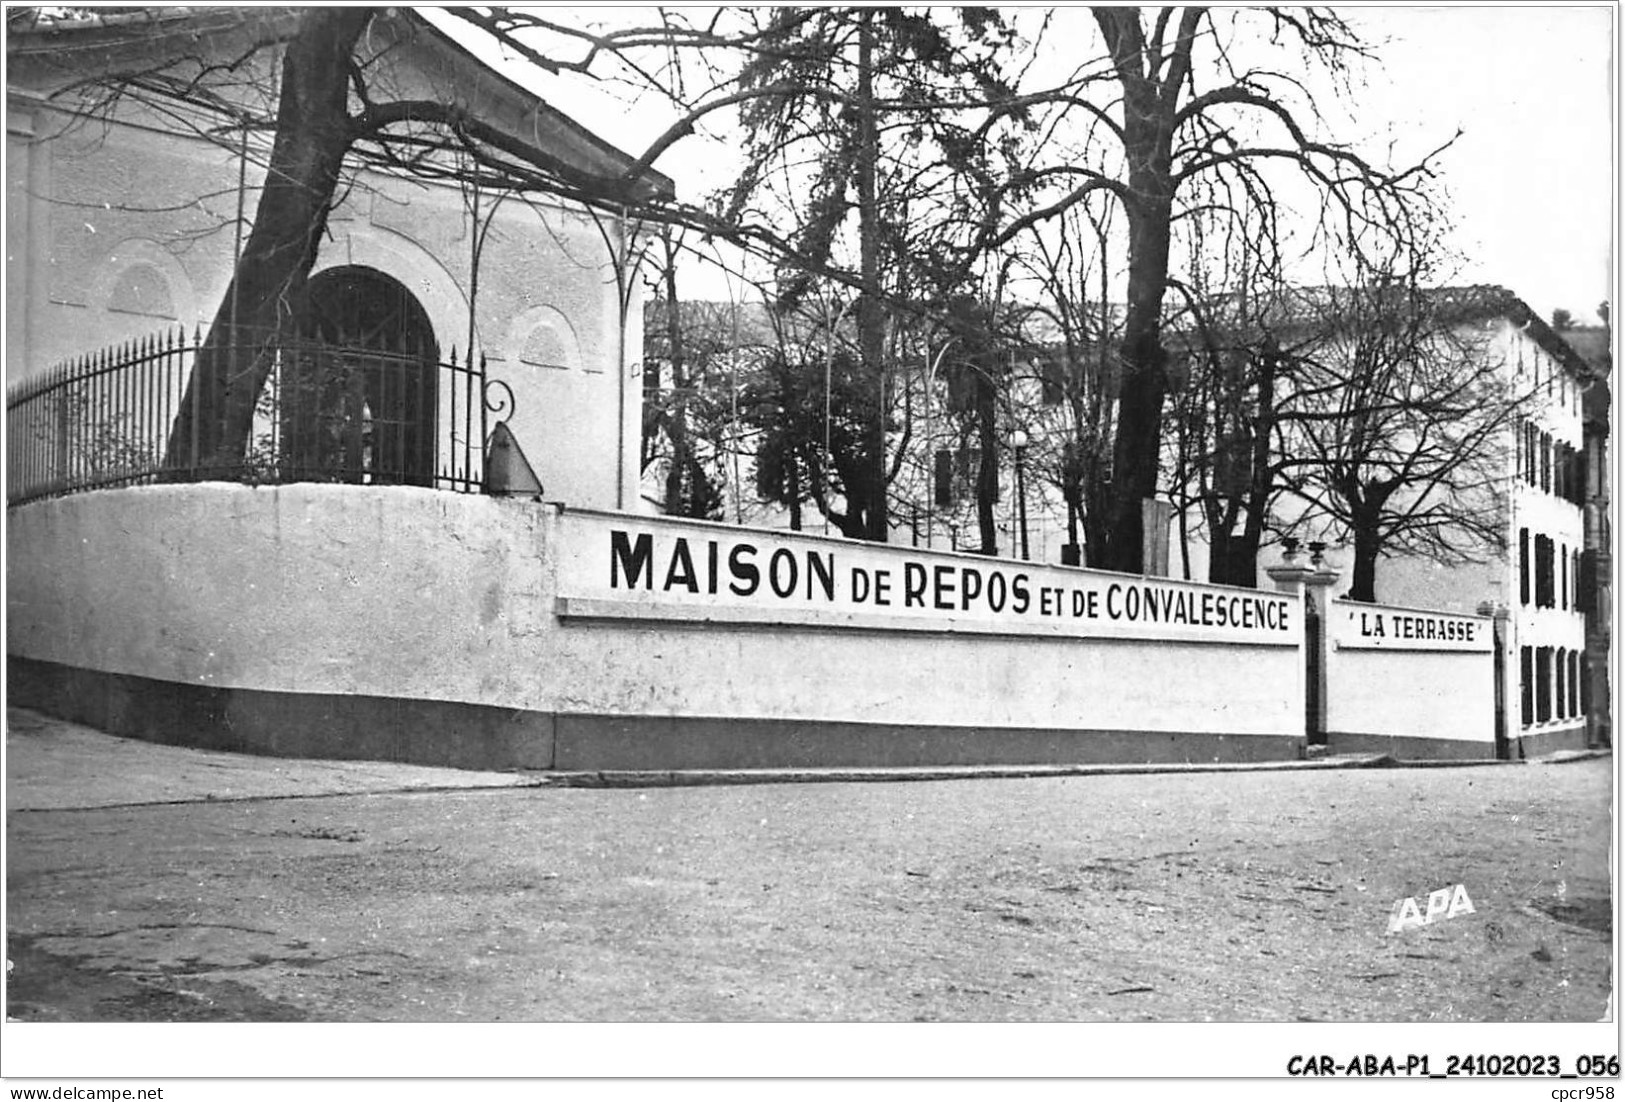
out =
column 481, row 736
column 1537, row 743
column 1408, row 747
column 287, row 725
column 631, row 742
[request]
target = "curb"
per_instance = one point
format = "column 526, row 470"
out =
column 221, row 774
column 1563, row 757
column 630, row 778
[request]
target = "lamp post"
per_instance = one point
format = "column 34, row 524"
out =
column 1018, row 441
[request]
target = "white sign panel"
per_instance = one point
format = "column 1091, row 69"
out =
column 1356, row 626
column 611, row 565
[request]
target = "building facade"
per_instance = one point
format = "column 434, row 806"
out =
column 1546, row 526
column 125, row 219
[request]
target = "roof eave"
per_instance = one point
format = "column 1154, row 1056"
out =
column 657, row 184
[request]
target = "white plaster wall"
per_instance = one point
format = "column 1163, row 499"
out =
column 87, row 204
column 405, row 592
column 88, row 208
column 547, row 269
column 1412, row 695
column 1409, row 692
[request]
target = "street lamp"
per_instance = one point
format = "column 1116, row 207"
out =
column 1018, row 441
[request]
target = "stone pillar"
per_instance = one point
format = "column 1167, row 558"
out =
column 1312, row 581
column 1317, row 588
column 1289, row 576
column 1319, row 583
column 1507, row 689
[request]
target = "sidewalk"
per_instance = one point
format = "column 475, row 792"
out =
column 52, row 764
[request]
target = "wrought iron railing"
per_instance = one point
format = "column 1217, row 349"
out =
column 325, row 413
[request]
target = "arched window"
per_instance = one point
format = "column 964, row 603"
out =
column 545, row 338
column 545, row 348
column 142, row 289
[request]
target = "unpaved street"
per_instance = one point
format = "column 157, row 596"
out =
column 1174, row 897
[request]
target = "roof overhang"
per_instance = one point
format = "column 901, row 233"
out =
column 47, row 58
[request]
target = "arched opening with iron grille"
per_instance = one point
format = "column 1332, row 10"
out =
column 357, row 384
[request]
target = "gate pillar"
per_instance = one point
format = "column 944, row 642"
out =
column 1502, row 616
column 1313, row 581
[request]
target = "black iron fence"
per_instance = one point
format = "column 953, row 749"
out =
column 324, row 413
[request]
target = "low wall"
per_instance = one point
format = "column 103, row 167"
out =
column 1412, row 683
column 405, row 624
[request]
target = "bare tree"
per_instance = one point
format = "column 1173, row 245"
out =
column 1403, row 421
column 857, row 108
column 814, row 406
column 1071, row 327
column 1233, row 344
column 684, row 345
column 1226, row 434
column 1171, row 107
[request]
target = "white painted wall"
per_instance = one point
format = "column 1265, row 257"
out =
column 404, row 592
column 1403, row 684
column 85, row 215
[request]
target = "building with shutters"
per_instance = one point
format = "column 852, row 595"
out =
column 1547, row 623
column 1552, row 500
column 1548, row 578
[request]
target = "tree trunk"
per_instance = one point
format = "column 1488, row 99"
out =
column 1366, row 547
column 1260, row 475
column 1218, row 542
column 1095, row 514
column 1149, row 106
column 313, row 134
column 1241, row 562
column 795, row 496
column 1137, row 450
column 871, row 321
column 987, row 475
column 1234, row 556
column 851, row 523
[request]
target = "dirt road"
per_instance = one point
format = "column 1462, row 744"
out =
column 1238, row 897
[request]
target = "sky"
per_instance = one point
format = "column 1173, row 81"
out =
column 1530, row 179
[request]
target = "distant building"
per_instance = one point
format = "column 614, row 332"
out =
column 1595, row 346
column 1550, row 576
